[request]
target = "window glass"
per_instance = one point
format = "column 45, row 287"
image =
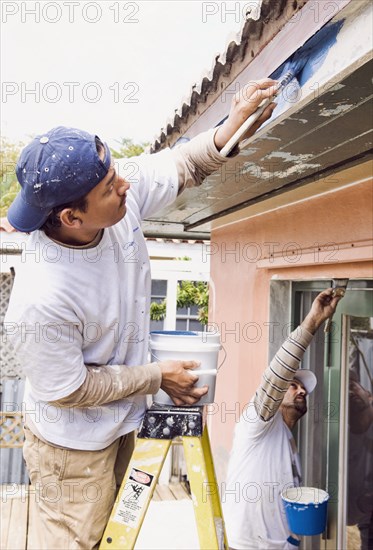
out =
column 360, row 434
column 158, row 294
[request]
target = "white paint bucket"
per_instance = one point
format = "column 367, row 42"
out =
column 177, row 345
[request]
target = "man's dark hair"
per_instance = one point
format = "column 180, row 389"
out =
column 53, row 221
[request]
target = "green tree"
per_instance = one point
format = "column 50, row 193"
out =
column 189, row 293
column 158, row 310
column 9, row 185
column 128, row 149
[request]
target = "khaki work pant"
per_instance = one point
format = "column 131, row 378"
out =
column 75, row 490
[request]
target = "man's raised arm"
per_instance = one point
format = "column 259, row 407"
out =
column 200, row 157
column 283, row 368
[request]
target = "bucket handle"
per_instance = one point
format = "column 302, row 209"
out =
column 225, row 356
column 217, row 369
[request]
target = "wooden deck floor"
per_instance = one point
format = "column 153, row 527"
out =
column 20, row 526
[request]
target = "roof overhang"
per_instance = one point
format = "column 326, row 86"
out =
column 324, row 130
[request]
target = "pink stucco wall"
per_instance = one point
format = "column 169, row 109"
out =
column 240, row 289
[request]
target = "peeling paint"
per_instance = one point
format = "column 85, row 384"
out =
column 302, row 120
column 337, row 111
column 250, row 168
column 337, row 87
column 255, row 171
column 248, row 152
column 298, row 167
column 288, row 157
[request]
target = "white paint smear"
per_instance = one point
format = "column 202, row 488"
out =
column 288, row 157
column 302, row 120
column 298, row 167
column 337, row 111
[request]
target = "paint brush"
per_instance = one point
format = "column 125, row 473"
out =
column 338, row 289
column 291, row 69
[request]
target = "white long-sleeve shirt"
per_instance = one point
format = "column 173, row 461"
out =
column 264, row 459
column 78, row 317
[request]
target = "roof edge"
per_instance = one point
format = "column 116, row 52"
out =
column 251, row 40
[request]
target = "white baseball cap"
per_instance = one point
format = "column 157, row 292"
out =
column 307, row 378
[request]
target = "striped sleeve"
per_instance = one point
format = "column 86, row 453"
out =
column 279, row 374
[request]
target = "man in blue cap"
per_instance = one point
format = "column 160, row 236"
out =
column 79, row 315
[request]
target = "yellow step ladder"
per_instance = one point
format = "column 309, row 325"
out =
column 161, row 424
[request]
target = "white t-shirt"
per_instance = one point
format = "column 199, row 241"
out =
column 75, row 307
column 264, row 461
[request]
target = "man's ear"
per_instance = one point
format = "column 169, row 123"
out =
column 69, row 218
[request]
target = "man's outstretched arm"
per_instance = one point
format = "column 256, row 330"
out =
column 107, row 383
column 200, row 157
column 283, row 367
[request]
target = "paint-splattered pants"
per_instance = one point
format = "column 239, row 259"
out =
column 75, row 490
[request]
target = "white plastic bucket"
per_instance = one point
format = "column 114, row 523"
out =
column 188, row 346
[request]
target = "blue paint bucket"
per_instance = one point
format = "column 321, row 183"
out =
column 306, row 509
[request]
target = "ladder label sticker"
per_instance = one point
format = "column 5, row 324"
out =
column 141, row 477
column 133, row 498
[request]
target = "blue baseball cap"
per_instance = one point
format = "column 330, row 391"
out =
column 56, row 168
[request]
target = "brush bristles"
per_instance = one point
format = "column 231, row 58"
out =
column 288, row 77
